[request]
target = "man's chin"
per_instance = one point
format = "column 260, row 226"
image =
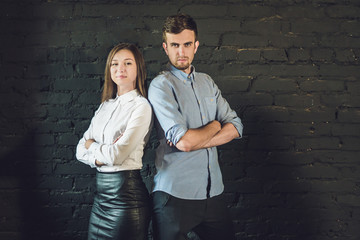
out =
column 182, row 66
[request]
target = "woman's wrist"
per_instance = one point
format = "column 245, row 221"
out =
column 98, row 163
column 88, row 143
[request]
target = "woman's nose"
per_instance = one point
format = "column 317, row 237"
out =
column 121, row 67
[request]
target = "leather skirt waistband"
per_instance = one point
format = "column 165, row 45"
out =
column 123, row 189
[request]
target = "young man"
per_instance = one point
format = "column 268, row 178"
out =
column 192, row 119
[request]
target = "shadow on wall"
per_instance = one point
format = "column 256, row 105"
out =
column 269, row 201
column 23, row 212
column 25, row 215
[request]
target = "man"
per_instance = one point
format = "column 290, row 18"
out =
column 192, row 119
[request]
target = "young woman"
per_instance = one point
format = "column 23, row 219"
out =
column 114, row 144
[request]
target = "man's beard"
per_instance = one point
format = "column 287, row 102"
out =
column 182, row 66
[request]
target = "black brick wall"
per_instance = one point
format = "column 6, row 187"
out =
column 289, row 68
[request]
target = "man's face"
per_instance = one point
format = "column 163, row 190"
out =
column 181, row 49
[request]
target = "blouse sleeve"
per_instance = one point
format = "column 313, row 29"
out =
column 135, row 132
column 83, row 154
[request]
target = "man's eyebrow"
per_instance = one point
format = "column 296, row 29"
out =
column 175, row 43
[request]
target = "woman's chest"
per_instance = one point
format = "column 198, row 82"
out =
column 111, row 122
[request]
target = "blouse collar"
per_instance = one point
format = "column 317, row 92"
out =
column 127, row 97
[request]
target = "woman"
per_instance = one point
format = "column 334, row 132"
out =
column 114, row 143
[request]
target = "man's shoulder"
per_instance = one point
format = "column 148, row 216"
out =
column 163, row 75
column 162, row 78
column 204, row 76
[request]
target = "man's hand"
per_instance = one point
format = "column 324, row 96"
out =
column 169, row 143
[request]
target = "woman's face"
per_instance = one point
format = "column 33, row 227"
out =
column 123, row 71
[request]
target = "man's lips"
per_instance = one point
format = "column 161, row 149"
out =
column 182, row 59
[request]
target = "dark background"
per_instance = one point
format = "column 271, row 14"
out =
column 289, row 68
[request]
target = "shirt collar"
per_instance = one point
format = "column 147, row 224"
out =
column 127, row 97
column 182, row 75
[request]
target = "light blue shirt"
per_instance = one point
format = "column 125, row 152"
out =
column 181, row 102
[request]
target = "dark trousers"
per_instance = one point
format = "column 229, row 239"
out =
column 173, row 218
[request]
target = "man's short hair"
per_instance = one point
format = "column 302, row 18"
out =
column 177, row 23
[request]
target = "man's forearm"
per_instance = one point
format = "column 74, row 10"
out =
column 227, row 133
column 195, row 139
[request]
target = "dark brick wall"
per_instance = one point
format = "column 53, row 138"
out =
column 290, row 68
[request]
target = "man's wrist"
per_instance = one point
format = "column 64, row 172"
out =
column 216, row 125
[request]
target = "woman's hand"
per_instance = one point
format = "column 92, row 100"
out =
column 118, row 138
column 98, row 163
column 88, row 143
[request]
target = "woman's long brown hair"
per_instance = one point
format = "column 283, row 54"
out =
column 110, row 88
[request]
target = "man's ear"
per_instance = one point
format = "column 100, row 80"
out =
column 165, row 48
column 196, row 46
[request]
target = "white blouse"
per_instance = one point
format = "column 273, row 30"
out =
column 121, row 127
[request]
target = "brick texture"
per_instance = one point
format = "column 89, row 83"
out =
column 290, row 69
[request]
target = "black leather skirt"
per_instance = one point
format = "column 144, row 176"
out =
column 121, row 207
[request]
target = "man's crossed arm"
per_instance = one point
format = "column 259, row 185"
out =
column 210, row 135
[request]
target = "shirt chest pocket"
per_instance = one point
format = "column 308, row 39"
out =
column 210, row 106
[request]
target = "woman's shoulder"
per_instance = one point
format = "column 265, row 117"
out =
column 141, row 100
column 142, row 106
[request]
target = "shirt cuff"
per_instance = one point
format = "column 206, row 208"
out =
column 176, row 133
column 92, row 158
column 239, row 127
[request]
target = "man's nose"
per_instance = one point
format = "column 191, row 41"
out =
column 181, row 50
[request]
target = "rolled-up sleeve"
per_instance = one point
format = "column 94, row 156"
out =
column 165, row 106
column 224, row 112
